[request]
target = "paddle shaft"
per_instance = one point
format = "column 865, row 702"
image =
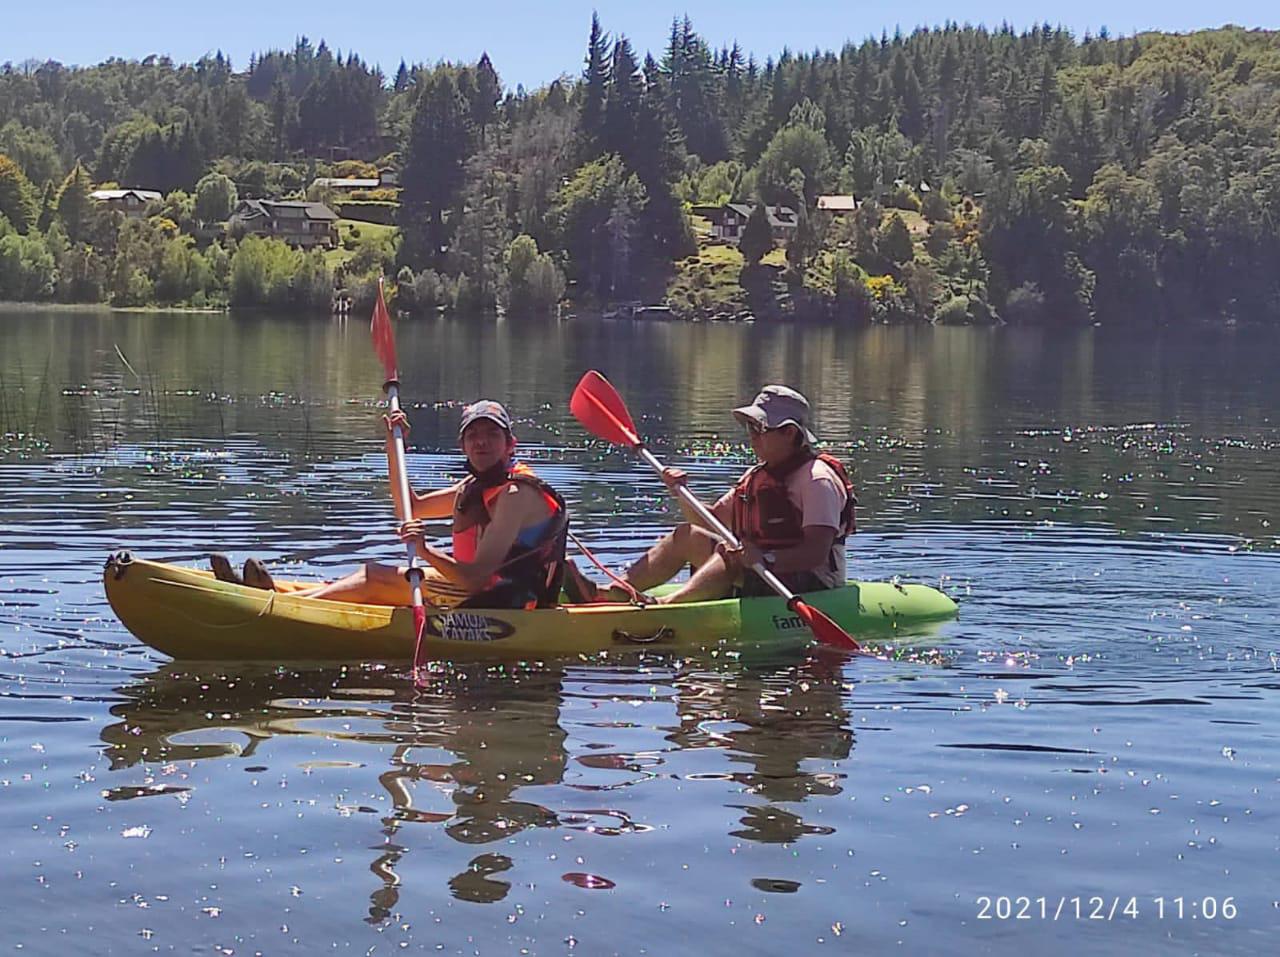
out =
column 709, row 518
column 400, row 475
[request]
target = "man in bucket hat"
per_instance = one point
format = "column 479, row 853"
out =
column 509, row 530
column 791, row 511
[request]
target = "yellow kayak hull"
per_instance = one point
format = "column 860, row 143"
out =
column 188, row 614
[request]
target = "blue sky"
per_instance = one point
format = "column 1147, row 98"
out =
column 532, row 42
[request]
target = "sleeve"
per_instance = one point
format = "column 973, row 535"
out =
column 822, row 498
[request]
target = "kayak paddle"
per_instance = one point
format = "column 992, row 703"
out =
column 598, row 406
column 384, row 344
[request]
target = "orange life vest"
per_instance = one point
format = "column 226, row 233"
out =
column 538, row 564
column 764, row 514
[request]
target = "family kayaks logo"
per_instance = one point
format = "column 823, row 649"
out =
column 465, row 626
column 788, row 623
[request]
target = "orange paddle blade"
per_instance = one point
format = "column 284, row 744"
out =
column 597, row 405
column 384, row 337
column 823, row 628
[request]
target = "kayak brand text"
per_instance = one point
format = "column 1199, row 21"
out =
column 465, row 626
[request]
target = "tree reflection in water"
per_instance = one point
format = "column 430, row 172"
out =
column 779, row 722
column 466, row 752
column 475, row 735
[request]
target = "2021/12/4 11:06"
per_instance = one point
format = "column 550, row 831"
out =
column 1105, row 908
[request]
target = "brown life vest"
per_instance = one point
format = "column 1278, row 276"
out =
column 764, row 514
column 538, row 564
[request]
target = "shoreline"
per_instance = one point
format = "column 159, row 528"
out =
column 594, row 314
column 9, row 305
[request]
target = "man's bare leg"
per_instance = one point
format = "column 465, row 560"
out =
column 685, row 545
column 712, row 579
column 371, row 584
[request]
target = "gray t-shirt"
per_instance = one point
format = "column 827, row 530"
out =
column 818, row 494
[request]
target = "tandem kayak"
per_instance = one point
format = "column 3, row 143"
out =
column 188, row 614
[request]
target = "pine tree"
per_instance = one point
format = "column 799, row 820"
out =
column 757, row 237
column 622, row 103
column 440, row 141
column 895, row 241
column 595, row 83
column 619, row 228
column 17, row 196
column 804, row 244
column 48, row 207
column 281, row 108
column 74, row 205
column 483, row 235
column 485, row 96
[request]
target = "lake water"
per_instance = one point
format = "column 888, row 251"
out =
column 1100, row 722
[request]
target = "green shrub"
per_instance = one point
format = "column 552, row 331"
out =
column 1025, row 304
column 546, row 285
column 422, row 295
column 262, row 271
column 902, row 197
column 312, row 286
column 370, row 211
column 935, row 207
column 28, row 271
column 941, row 235
column 953, row 312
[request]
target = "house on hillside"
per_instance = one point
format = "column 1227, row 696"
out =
column 131, row 202
column 730, row 219
column 345, row 185
column 782, row 223
column 388, row 178
column 727, row 220
column 838, row 206
column 297, row 223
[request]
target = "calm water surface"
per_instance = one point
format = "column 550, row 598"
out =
column 1100, row 721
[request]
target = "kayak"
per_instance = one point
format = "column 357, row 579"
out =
column 188, row 614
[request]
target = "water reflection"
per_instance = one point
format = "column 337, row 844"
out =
column 789, row 726
column 482, row 752
column 1169, row 432
column 460, row 748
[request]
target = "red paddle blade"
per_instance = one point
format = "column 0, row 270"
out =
column 419, row 626
column 597, row 405
column 384, row 337
column 823, row 628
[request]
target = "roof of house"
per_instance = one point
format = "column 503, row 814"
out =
column 332, row 183
column 289, row 209
column 781, row 215
column 838, row 204
column 146, row 195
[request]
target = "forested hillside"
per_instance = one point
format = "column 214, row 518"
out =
column 1030, row 176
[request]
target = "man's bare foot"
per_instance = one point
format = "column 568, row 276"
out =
column 222, row 569
column 580, row 589
column 257, row 576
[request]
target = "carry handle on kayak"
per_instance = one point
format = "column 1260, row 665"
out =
column 598, row 406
